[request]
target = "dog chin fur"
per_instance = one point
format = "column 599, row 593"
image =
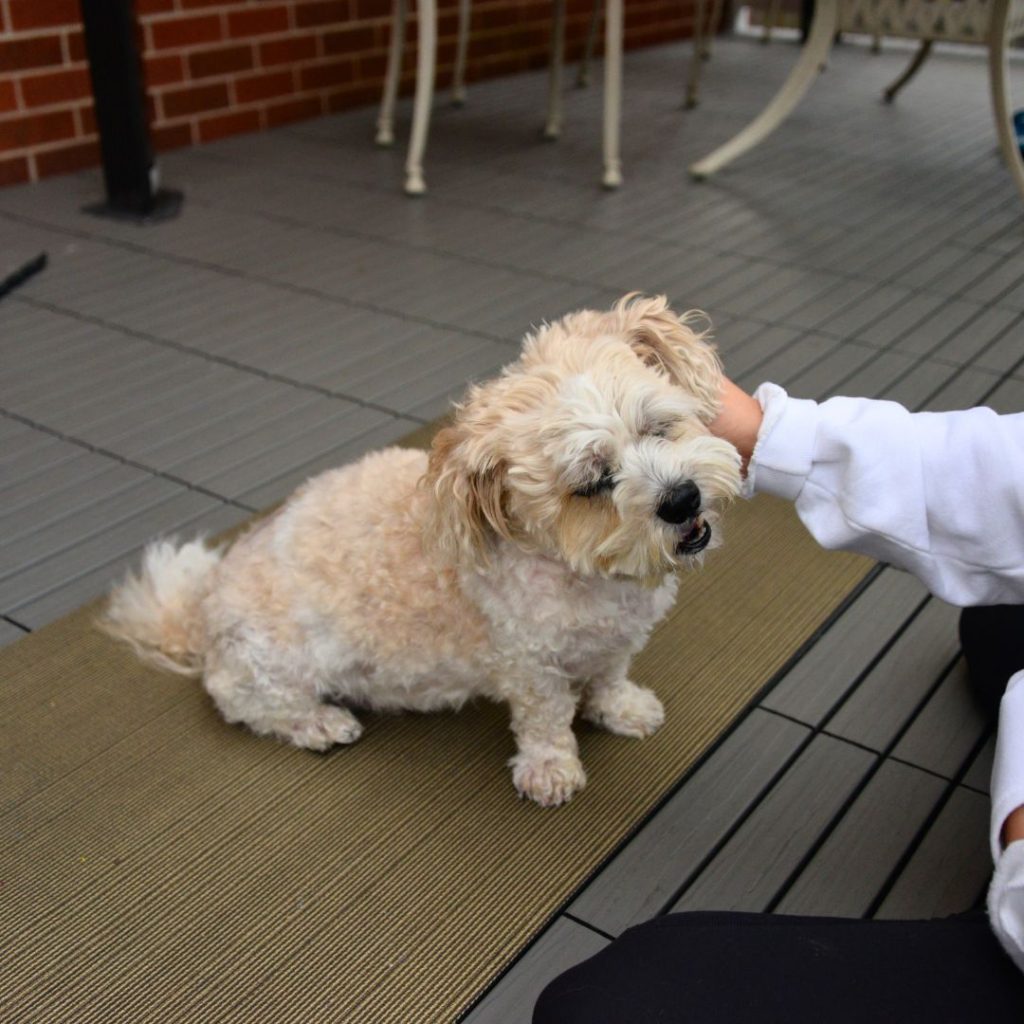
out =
column 523, row 560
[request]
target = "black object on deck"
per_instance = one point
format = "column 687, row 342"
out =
column 22, row 274
column 129, row 167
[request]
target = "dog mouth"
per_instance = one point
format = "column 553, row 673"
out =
column 697, row 539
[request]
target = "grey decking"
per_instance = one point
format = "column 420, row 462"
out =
column 301, row 311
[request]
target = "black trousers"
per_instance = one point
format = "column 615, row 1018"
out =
column 731, row 968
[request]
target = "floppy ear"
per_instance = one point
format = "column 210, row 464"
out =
column 667, row 342
column 467, row 491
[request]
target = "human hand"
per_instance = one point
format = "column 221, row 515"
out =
column 738, row 420
column 1013, row 827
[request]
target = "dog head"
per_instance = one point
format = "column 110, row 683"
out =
column 592, row 448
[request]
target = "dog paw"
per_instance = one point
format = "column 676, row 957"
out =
column 324, row 728
column 548, row 780
column 625, row 709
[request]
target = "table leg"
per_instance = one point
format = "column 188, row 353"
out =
column 785, row 100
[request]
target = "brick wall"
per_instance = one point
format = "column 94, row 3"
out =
column 220, row 67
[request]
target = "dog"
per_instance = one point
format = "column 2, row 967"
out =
column 525, row 559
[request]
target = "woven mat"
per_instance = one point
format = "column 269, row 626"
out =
column 159, row 865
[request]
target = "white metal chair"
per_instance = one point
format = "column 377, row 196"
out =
column 992, row 22
column 425, row 70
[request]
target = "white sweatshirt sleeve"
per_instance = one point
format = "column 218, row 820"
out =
column 940, row 495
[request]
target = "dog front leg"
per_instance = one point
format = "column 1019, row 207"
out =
column 613, row 702
column 547, row 767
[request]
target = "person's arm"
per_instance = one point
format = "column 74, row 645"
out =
column 941, row 495
column 1006, row 893
column 938, row 494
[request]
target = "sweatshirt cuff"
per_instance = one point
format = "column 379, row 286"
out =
column 784, row 452
column 1008, row 766
column 1006, row 902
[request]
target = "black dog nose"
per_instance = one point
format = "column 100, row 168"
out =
column 681, row 503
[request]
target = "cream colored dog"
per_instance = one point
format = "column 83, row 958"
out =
column 525, row 560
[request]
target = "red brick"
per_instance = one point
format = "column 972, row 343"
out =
column 257, row 21
column 293, row 110
column 222, row 125
column 371, row 9
column 194, row 99
column 224, row 60
column 352, row 96
column 144, row 7
column 76, row 46
column 287, row 51
column 323, row 76
column 14, row 171
column 54, row 87
column 8, row 96
column 164, row 70
column 201, row 3
column 35, row 52
column 321, row 12
column 34, row 14
column 352, row 40
column 269, row 85
column 67, row 158
column 171, row 136
column 35, row 129
column 372, row 68
column 87, row 116
column 177, row 32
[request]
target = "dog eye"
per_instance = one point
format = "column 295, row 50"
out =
column 605, row 482
column 656, row 430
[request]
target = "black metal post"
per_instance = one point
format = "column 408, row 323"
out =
column 130, row 171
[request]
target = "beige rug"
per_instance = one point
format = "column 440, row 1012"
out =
column 159, row 865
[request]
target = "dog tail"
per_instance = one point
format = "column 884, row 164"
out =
column 157, row 612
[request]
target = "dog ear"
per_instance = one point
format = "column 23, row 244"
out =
column 467, row 490
column 666, row 341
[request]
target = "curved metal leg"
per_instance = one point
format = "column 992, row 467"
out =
column 461, row 45
column 781, row 106
column 612, row 93
column 553, row 126
column 583, row 72
column 696, row 61
column 425, row 60
column 912, row 69
column 385, row 120
column 997, row 45
column 709, row 34
column 771, row 19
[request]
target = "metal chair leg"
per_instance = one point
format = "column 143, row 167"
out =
column 612, row 94
column 425, row 62
column 912, row 69
column 385, row 120
column 999, row 40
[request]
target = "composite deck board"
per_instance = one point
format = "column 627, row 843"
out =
column 759, row 857
column 845, row 875
column 811, row 689
column 77, row 589
column 562, row 946
column 979, row 775
column 950, row 868
column 888, row 696
column 9, row 633
column 946, row 729
column 643, row 878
